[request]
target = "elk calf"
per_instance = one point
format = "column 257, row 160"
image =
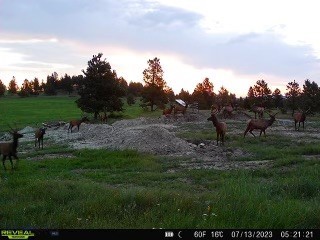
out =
column 77, row 123
column 221, row 128
column 39, row 136
column 260, row 124
column 9, row 149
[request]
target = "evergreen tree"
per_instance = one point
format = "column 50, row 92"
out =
column 100, row 90
column 292, row 95
column 123, row 84
column 277, row 98
column 2, row 89
column 135, row 89
column 203, row 94
column 36, row 86
column 262, row 93
column 153, row 93
column 50, row 87
column 185, row 96
column 13, row 87
column 66, row 84
column 26, row 89
column 310, row 95
column 223, row 97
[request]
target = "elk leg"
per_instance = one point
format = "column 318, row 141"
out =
column 217, row 138
column 252, row 133
column 10, row 158
column 3, row 160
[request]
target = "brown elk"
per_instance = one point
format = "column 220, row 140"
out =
column 180, row 109
column 227, row 111
column 215, row 107
column 260, row 124
column 103, row 117
column 300, row 117
column 77, row 123
column 39, row 133
column 9, row 149
column 221, row 128
column 168, row 111
column 257, row 110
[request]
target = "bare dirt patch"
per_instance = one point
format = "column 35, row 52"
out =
column 159, row 136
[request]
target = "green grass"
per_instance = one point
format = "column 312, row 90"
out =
column 126, row 189
column 20, row 112
column 35, row 110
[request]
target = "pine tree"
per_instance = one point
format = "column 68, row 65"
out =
column 100, row 89
column 293, row 94
column 154, row 90
column 13, row 87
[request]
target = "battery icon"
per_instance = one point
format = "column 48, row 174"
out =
column 168, row 234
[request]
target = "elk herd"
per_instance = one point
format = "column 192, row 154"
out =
column 9, row 149
column 259, row 123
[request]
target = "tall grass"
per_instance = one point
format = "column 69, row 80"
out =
column 126, row 189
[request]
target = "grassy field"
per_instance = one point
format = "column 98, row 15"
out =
column 33, row 111
column 126, row 189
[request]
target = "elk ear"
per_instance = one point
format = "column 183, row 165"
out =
column 214, row 112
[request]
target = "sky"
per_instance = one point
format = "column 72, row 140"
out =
column 233, row 43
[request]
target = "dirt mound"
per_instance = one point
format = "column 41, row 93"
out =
column 126, row 134
column 154, row 136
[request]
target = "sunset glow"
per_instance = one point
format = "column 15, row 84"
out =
column 233, row 43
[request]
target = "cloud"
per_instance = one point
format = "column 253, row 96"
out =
column 256, row 53
column 146, row 27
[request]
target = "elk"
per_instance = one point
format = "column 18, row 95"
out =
column 260, row 124
column 221, row 128
column 180, row 108
column 9, row 149
column 300, row 117
column 77, row 123
column 168, row 111
column 215, row 107
column 227, row 111
column 103, row 117
column 39, row 133
column 257, row 110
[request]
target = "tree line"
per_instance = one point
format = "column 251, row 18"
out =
column 101, row 90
